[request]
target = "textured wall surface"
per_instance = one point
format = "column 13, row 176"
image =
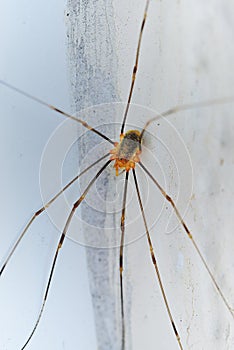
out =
column 186, row 57
column 76, row 56
column 92, row 65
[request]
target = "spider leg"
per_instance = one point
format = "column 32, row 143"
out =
column 186, row 107
column 59, row 246
column 65, row 114
column 155, row 262
column 170, row 200
column 135, row 67
column 121, row 260
column 42, row 209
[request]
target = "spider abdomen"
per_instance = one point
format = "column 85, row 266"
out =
column 126, row 152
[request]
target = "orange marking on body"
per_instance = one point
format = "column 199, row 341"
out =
column 126, row 152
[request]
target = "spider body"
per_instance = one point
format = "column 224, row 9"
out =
column 125, row 155
column 126, row 152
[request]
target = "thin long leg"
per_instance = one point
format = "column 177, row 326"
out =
column 189, row 106
column 42, row 209
column 59, row 246
column 135, row 67
column 121, row 260
column 170, row 200
column 67, row 115
column 155, row 263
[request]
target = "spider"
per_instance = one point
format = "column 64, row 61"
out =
column 126, row 155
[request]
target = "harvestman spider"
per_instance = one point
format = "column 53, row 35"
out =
column 126, row 156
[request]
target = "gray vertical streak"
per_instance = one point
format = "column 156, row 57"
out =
column 92, row 65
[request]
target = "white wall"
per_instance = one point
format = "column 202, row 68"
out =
column 33, row 57
column 187, row 56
